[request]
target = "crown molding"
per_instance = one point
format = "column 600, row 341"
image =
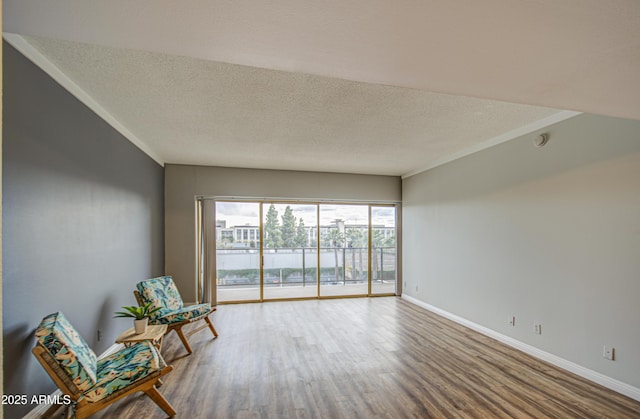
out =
column 507, row 136
column 35, row 56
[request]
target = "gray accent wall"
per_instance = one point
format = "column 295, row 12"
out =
column 183, row 183
column 83, row 221
column 548, row 235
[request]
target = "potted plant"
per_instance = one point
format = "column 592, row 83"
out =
column 140, row 315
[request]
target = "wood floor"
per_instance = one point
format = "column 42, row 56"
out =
column 361, row 358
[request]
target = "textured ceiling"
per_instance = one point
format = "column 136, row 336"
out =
column 158, row 67
column 192, row 111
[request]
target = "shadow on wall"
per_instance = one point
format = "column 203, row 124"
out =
column 24, row 372
column 83, row 220
column 109, row 327
column 19, row 340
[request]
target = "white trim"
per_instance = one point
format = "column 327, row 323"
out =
column 596, row 377
column 22, row 45
column 26, row 49
column 507, row 136
column 41, row 409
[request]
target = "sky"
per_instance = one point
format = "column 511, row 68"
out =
column 247, row 213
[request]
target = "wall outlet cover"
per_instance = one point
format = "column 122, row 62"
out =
column 608, row 352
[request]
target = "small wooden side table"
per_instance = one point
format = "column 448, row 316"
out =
column 154, row 333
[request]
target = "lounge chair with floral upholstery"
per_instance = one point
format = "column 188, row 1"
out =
column 92, row 384
column 162, row 292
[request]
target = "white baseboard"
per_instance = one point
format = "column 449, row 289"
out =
column 596, row 377
column 41, row 409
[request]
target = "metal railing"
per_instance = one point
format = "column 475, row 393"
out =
column 298, row 266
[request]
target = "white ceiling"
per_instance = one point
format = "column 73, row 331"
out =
column 384, row 87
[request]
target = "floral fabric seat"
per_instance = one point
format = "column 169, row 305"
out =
column 162, row 292
column 93, row 384
column 124, row 368
column 168, row 316
column 69, row 349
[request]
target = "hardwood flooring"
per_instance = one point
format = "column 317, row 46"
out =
column 361, row 358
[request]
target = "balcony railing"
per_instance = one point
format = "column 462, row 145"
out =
column 285, row 267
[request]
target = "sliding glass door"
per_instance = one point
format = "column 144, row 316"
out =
column 294, row 250
column 238, row 251
column 290, row 257
column 344, row 250
column 383, row 250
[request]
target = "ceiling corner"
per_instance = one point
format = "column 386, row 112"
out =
column 35, row 56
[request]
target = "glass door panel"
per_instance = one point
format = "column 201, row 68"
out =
column 297, row 239
column 344, row 250
column 238, row 251
column 383, row 250
column 290, row 254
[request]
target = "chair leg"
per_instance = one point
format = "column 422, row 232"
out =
column 183, row 339
column 159, row 399
column 213, row 329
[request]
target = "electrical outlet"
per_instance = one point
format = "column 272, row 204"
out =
column 512, row 320
column 99, row 335
column 416, row 288
column 537, row 329
column 608, row 353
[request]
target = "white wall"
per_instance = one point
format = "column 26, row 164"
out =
column 183, row 183
column 550, row 235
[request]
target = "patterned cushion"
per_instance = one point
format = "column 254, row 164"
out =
column 165, row 316
column 67, row 347
column 161, row 292
column 123, row 368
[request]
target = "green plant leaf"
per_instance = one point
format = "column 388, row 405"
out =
column 137, row 312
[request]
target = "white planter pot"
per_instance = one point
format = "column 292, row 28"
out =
column 140, row 325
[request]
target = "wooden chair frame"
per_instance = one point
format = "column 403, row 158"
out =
column 85, row 408
column 177, row 327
